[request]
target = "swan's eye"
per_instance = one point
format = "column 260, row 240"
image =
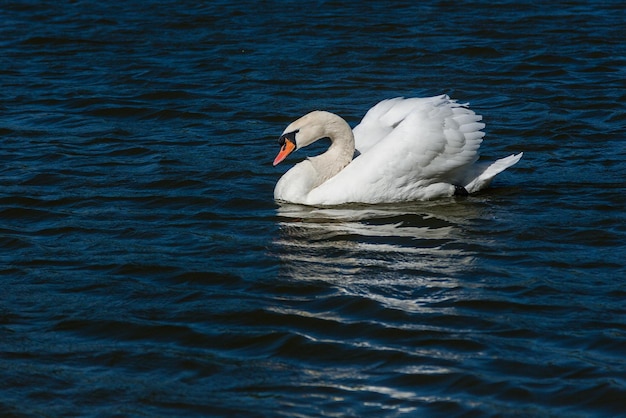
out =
column 291, row 136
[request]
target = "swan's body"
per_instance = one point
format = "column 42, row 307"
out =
column 407, row 149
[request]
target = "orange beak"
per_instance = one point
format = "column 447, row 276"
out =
column 285, row 150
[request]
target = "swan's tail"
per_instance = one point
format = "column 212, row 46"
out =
column 484, row 178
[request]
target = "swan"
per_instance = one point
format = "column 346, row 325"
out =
column 404, row 149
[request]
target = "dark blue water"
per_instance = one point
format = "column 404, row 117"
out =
column 147, row 271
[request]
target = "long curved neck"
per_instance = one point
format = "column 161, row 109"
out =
column 341, row 149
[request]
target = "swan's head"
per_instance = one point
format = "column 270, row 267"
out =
column 305, row 131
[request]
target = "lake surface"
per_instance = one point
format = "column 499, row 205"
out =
column 147, row 271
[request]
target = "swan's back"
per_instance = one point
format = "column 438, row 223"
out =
column 385, row 116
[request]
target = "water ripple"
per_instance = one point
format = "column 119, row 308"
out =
column 149, row 272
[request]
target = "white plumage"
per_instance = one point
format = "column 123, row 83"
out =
column 406, row 149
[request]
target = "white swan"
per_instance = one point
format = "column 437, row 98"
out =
column 406, row 150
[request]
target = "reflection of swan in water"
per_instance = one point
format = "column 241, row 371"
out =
column 405, row 246
column 378, row 282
